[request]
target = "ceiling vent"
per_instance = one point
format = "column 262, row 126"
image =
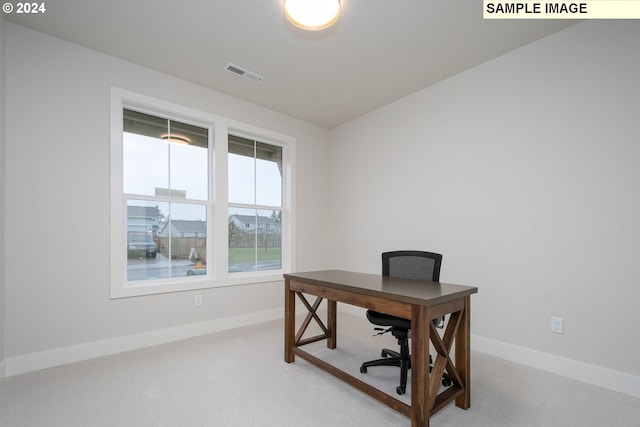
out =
column 239, row 71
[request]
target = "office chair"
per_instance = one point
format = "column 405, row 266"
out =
column 416, row 265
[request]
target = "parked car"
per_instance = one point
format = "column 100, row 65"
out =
column 141, row 245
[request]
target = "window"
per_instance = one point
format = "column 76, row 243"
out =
column 255, row 205
column 165, row 185
column 193, row 204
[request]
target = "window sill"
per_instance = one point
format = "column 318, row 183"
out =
column 236, row 279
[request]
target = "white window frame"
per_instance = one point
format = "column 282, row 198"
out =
column 217, row 274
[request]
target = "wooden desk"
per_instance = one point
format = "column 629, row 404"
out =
column 416, row 300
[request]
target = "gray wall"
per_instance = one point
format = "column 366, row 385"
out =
column 58, row 139
column 523, row 172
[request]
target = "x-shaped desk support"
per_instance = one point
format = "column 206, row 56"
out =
column 329, row 332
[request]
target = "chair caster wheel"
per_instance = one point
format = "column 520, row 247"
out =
column 400, row 390
column 446, row 381
column 363, row 369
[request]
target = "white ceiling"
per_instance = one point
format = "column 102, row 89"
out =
column 379, row 50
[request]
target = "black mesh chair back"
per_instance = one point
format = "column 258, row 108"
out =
column 415, row 265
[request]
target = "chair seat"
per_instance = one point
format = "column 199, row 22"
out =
column 382, row 319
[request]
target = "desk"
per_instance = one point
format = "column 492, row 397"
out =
column 416, row 300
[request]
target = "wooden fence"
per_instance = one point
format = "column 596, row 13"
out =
column 184, row 248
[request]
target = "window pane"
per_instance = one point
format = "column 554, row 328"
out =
column 165, row 240
column 269, row 240
column 163, row 157
column 242, row 240
column 188, row 158
column 145, row 153
column 268, row 175
column 255, row 239
column 255, row 172
column 144, row 220
column 241, row 170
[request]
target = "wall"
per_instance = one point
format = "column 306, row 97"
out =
column 523, row 172
column 57, row 150
column 2, row 210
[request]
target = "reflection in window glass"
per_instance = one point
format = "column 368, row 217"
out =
column 163, row 157
column 188, row 169
column 145, row 164
column 268, row 175
column 255, row 172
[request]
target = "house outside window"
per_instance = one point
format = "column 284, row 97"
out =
column 170, row 193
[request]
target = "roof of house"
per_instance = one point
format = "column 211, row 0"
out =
column 252, row 219
column 189, row 226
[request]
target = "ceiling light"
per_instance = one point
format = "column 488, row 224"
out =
column 176, row 139
column 312, row 14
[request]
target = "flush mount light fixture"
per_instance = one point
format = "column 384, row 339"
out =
column 312, row 14
column 176, row 139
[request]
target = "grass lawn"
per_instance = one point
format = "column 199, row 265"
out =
column 238, row 255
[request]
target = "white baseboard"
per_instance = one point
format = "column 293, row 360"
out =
column 62, row 356
column 584, row 372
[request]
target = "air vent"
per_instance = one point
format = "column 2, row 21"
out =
column 239, row 71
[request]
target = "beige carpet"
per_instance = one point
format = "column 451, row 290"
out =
column 239, row 378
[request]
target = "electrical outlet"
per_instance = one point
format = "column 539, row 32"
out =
column 197, row 301
column 557, row 325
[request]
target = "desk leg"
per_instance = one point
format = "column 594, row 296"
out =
column 420, row 377
column 332, row 323
column 289, row 322
column 463, row 355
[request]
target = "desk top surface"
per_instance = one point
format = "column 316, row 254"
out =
column 393, row 288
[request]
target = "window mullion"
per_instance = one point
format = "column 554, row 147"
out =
column 169, row 155
column 255, row 200
column 219, row 197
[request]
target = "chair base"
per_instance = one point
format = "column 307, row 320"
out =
column 387, row 358
column 393, row 358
